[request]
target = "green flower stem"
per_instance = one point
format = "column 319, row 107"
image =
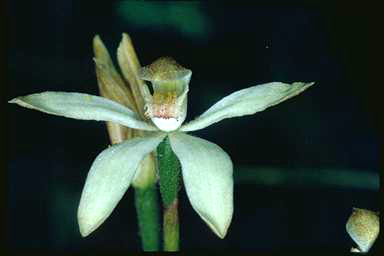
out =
column 169, row 170
column 147, row 209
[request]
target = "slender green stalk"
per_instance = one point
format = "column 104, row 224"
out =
column 314, row 177
column 147, row 209
column 169, row 170
column 171, row 227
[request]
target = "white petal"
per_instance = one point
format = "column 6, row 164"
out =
column 246, row 102
column 207, row 175
column 108, row 179
column 82, row 106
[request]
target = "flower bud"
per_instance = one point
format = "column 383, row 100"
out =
column 167, row 106
column 363, row 227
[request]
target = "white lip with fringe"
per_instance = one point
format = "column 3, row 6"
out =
column 167, row 124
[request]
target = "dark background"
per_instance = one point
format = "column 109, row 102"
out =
column 331, row 127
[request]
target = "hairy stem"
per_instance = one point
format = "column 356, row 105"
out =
column 169, row 170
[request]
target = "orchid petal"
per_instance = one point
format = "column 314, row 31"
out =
column 82, row 106
column 130, row 65
column 207, row 175
column 111, row 85
column 246, row 102
column 109, row 177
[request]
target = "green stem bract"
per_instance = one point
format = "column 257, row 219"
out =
column 169, row 171
column 146, row 201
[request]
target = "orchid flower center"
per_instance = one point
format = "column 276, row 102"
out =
column 167, row 107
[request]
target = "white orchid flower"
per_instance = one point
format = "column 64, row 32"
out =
column 206, row 168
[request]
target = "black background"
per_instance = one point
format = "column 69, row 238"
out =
column 228, row 47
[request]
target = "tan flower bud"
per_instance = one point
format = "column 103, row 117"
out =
column 363, row 227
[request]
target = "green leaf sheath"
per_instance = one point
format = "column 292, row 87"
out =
column 146, row 201
column 169, row 171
